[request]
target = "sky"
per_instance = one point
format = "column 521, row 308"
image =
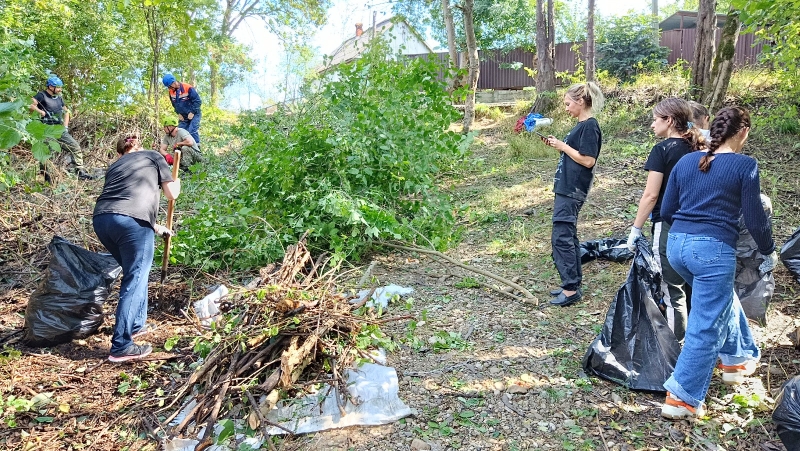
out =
column 267, row 51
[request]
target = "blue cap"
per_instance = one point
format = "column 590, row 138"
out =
column 168, row 79
column 53, row 80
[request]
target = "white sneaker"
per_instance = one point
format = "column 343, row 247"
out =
column 735, row 374
column 675, row 409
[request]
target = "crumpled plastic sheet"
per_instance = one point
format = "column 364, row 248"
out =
column 382, row 295
column 373, row 387
column 68, row 304
column 636, row 347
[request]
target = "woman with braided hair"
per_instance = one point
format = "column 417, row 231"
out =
column 672, row 119
column 705, row 195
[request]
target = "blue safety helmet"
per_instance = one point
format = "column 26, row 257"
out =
column 168, row 79
column 53, row 80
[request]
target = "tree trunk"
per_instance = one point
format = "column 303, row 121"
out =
column 473, row 62
column 723, row 64
column 590, row 43
column 156, row 28
column 454, row 82
column 545, row 54
column 703, row 48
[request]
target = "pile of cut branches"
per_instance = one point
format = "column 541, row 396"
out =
column 287, row 330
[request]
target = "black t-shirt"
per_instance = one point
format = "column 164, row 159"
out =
column 663, row 158
column 52, row 106
column 132, row 185
column 572, row 179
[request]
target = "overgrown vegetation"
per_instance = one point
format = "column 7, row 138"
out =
column 358, row 161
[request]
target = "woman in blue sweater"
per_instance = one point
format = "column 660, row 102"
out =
column 705, row 196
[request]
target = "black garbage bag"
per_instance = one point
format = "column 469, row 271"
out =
column 787, row 414
column 754, row 290
column 790, row 254
column 607, row 249
column 636, row 347
column 69, row 301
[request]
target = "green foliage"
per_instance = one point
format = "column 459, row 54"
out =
column 355, row 163
column 626, row 47
column 467, row 282
column 774, row 22
column 485, row 111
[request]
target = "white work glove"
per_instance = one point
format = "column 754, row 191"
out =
column 769, row 263
column 163, row 231
column 635, row 234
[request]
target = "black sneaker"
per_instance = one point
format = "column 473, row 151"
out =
column 83, row 175
column 134, row 352
column 563, row 300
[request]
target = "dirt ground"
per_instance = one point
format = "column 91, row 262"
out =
column 482, row 370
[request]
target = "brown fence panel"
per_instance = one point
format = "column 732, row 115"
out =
column 493, row 76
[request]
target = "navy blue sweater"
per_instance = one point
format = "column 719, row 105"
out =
column 710, row 203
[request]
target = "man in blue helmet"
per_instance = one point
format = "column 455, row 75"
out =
column 186, row 103
column 50, row 106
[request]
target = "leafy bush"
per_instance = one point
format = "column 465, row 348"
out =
column 357, row 161
column 627, row 47
column 484, row 111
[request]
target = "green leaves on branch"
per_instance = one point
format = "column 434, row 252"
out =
column 357, row 161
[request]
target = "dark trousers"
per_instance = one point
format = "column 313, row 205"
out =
column 131, row 242
column 673, row 287
column 564, row 240
column 192, row 126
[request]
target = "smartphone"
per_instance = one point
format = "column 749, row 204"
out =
column 540, row 135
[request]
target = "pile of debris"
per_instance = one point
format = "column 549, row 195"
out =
column 286, row 331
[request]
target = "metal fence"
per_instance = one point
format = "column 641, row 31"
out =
column 505, row 70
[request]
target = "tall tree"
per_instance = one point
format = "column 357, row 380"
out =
column 590, row 44
column 451, row 35
column 545, row 55
column 703, row 48
column 723, row 63
column 281, row 17
column 474, row 63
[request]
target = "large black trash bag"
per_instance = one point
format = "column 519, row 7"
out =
column 69, row 301
column 612, row 249
column 754, row 290
column 790, row 254
column 636, row 347
column 787, row 414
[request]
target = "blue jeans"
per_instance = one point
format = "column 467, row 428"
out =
column 132, row 243
column 717, row 326
column 191, row 126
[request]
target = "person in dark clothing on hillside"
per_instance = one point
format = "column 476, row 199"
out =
column 186, row 103
column 672, row 119
column 572, row 181
column 125, row 221
column 706, row 193
column 50, row 106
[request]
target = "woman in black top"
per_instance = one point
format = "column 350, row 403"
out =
column 573, row 179
column 672, row 119
column 125, row 221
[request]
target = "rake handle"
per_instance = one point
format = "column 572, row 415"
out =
column 170, row 211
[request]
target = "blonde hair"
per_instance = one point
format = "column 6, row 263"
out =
column 590, row 93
